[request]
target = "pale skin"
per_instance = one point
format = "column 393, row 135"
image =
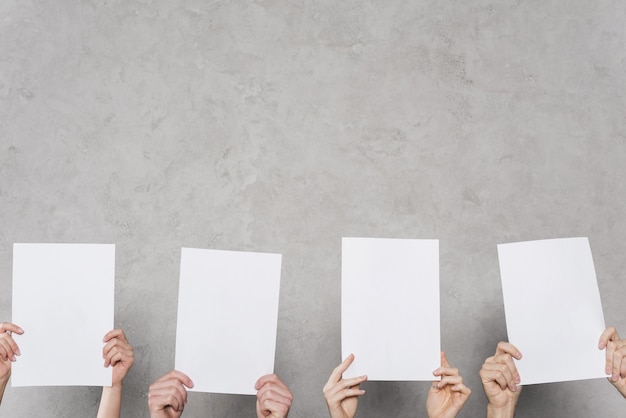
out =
column 8, row 352
column 447, row 396
column 117, row 353
column 342, row 395
column 615, row 358
column 501, row 381
column 168, row 396
column 273, row 397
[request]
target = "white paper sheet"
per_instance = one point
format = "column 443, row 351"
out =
column 63, row 298
column 390, row 308
column 227, row 318
column 553, row 309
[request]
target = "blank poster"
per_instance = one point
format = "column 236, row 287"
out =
column 553, row 309
column 227, row 318
column 63, row 298
column 390, row 308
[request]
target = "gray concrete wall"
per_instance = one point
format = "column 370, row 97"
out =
column 282, row 126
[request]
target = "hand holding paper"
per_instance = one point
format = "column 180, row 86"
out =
column 118, row 354
column 615, row 358
column 8, row 347
column 500, row 380
column 273, row 397
column 8, row 352
column 168, row 396
column 446, row 397
column 342, row 395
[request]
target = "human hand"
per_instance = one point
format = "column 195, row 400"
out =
column 168, row 396
column 446, row 397
column 615, row 358
column 273, row 398
column 118, row 353
column 500, row 381
column 8, row 348
column 342, row 395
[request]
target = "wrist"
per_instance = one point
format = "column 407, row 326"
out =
column 505, row 411
column 117, row 387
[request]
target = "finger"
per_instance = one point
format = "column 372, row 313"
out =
column 618, row 359
column 610, row 351
column 116, row 344
column 336, row 374
column 7, row 326
column 6, row 349
column 274, row 395
column 508, row 348
column 343, row 391
column 446, row 371
column 274, row 406
column 498, row 373
column 161, row 398
column 169, row 388
column 339, row 392
column 510, row 364
column 444, row 360
column 180, row 376
column 609, row 334
column 271, row 388
column 11, row 342
column 117, row 355
column 353, row 381
column 270, row 378
column 466, row 391
column 113, row 348
column 339, row 396
column 4, row 356
column 115, row 333
column 447, row 380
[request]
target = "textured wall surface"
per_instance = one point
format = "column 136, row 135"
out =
column 281, row 126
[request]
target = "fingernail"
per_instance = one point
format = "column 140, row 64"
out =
column 437, row 370
column 601, row 345
column 517, row 379
column 18, row 352
column 607, row 370
column 20, row 330
column 614, row 378
column 514, row 387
